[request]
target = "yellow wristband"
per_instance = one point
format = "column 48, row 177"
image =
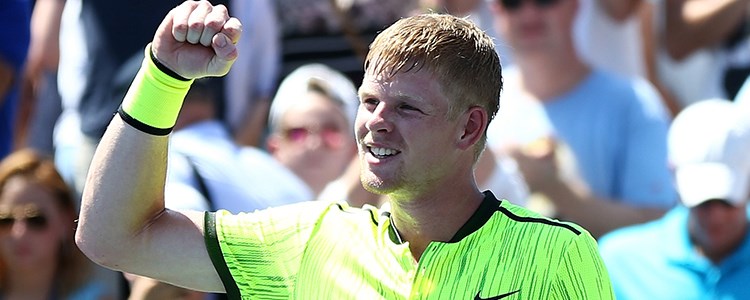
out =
column 154, row 98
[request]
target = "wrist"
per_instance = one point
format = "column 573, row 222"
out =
column 154, row 98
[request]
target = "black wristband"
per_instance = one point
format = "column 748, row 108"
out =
column 142, row 126
column 164, row 68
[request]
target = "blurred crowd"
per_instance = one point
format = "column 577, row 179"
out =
column 628, row 117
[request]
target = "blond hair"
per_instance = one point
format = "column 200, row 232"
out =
column 455, row 50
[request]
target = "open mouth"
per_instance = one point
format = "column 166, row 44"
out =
column 381, row 153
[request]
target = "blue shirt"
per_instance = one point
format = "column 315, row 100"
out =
column 656, row 260
column 615, row 128
column 15, row 19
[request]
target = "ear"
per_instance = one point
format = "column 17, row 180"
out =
column 472, row 127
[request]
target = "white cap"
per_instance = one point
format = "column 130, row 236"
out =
column 709, row 146
column 298, row 83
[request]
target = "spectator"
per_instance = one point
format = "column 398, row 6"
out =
column 594, row 143
column 311, row 121
column 38, row 256
column 40, row 99
column 209, row 171
column 15, row 20
column 698, row 250
column 702, row 49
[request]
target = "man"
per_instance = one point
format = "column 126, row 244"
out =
column 589, row 141
column 699, row 250
column 420, row 128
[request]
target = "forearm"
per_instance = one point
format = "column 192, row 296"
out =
column 694, row 24
column 125, row 184
column 597, row 215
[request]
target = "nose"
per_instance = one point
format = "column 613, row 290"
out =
column 378, row 119
column 19, row 229
column 314, row 140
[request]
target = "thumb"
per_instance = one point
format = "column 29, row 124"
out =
column 226, row 54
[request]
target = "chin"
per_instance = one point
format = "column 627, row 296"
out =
column 375, row 184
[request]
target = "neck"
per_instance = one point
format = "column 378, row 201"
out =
column 434, row 217
column 546, row 76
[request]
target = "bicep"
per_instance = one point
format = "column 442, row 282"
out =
column 173, row 250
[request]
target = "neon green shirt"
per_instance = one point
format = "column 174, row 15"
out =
column 320, row 250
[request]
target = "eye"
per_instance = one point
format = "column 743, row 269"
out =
column 370, row 103
column 408, row 107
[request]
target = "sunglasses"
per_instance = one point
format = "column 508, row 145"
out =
column 516, row 4
column 34, row 222
column 331, row 136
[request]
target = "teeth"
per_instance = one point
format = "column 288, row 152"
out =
column 383, row 151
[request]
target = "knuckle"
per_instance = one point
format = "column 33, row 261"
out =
column 197, row 26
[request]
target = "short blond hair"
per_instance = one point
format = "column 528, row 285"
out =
column 460, row 54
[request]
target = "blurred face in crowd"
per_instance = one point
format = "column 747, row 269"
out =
column 31, row 225
column 718, row 227
column 532, row 26
column 314, row 140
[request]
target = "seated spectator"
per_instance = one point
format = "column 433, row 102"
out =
column 593, row 143
column 38, row 255
column 699, row 250
column 311, row 121
column 208, row 170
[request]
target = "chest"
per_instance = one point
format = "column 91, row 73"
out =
column 352, row 267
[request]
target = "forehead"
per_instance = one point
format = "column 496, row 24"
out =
column 314, row 108
column 420, row 86
column 20, row 192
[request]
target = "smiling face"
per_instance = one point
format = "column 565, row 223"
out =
column 406, row 142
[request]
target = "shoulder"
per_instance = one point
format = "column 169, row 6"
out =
column 518, row 216
column 512, row 224
column 634, row 92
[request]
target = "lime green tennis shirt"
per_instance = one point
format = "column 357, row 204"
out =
column 321, row 250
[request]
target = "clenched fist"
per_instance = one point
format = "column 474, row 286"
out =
column 197, row 39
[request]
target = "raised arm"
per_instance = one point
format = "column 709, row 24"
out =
column 123, row 223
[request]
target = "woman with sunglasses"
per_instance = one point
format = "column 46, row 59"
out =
column 38, row 255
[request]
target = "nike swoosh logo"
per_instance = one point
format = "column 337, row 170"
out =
column 496, row 297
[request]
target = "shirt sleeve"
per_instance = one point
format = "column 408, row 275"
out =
column 582, row 274
column 259, row 254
